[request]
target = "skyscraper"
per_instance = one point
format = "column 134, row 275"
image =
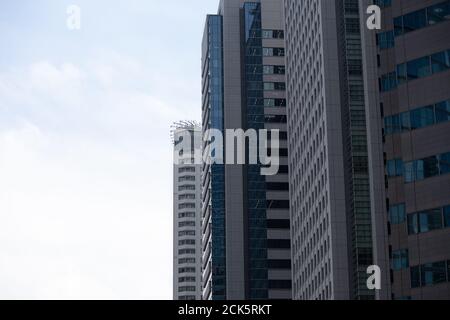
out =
column 246, row 237
column 407, row 71
column 187, row 247
column 328, row 160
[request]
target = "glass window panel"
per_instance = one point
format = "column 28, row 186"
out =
column 391, row 168
column 430, row 220
column 399, row 167
column 442, row 111
column 422, row 117
column 418, row 68
column 440, row 62
column 409, row 172
column 415, row 20
column 400, row 260
column 401, row 73
column 405, row 120
column 415, row 277
column 433, row 273
column 388, row 125
column 447, row 217
column 438, row 13
column 398, row 26
column 444, row 163
column 430, row 167
column 413, row 226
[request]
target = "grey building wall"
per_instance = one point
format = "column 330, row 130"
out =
column 187, row 219
column 331, row 211
column 422, row 273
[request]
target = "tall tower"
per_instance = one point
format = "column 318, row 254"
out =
column 407, row 70
column 187, row 234
column 246, row 229
column 329, row 177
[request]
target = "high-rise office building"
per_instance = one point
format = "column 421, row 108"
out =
column 246, row 232
column 407, row 71
column 331, row 217
column 187, row 247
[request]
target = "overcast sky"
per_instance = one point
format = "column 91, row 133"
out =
column 85, row 154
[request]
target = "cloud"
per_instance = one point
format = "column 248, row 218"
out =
column 85, row 188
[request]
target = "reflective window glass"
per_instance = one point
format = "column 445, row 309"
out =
column 422, row 117
column 444, row 163
column 415, row 20
column 418, row 68
column 447, row 216
column 415, row 277
column 443, row 111
column 440, row 62
column 430, row 220
column 433, row 273
column 413, row 226
column 438, row 13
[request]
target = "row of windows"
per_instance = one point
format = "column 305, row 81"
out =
column 274, row 69
column 277, row 204
column 418, row 170
column 416, row 69
column 274, row 86
column 430, row 274
column 414, row 21
column 186, row 251
column 426, row 168
column 186, row 206
column 186, row 169
column 273, row 52
column 186, row 279
column 269, row 103
column 186, row 242
column 186, row 260
column 186, row 289
column 429, row 220
column 383, row 3
column 422, row 18
column 418, row 118
column 186, row 270
column 186, row 233
column 273, row 34
column 186, row 178
column 186, row 197
column 183, row 224
column 189, row 214
column 186, row 187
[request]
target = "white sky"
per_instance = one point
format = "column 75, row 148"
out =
column 85, row 154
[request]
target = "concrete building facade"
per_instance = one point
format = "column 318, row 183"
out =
column 407, row 71
column 187, row 219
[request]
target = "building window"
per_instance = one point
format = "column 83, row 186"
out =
column 444, row 163
column 447, row 216
column 394, row 168
column 397, row 213
column 184, row 224
column 400, row 259
column 386, row 39
column 274, row 70
column 415, row 277
column 422, row 117
column 418, row 68
column 433, row 273
column 273, row 34
column 273, row 52
column 186, row 233
column 186, row 289
column 274, row 86
column 438, row 13
column 430, row 220
column 186, row 270
column 413, row 225
column 414, row 21
column 442, row 111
